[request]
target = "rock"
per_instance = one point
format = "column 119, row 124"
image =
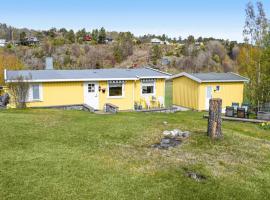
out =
column 196, row 176
column 176, row 132
column 165, row 141
column 185, row 134
column 165, row 123
column 166, row 133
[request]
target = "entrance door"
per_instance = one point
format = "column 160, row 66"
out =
column 91, row 94
column 208, row 96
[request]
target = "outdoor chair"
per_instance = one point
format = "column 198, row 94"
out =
column 241, row 113
column 161, row 102
column 246, row 107
column 229, row 111
column 147, row 102
column 235, row 106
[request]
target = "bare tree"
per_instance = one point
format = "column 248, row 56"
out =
column 18, row 90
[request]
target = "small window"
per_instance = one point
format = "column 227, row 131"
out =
column 115, row 89
column 217, row 88
column 91, row 87
column 36, row 92
column 148, row 89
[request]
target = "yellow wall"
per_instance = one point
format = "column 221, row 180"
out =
column 124, row 103
column 229, row 92
column 191, row 94
column 185, row 92
column 65, row 93
column 132, row 94
column 160, row 92
column 68, row 93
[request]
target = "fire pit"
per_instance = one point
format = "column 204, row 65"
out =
column 171, row 139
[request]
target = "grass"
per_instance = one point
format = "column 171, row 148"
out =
column 54, row 154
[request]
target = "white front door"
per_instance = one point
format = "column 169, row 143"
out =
column 91, row 94
column 208, row 96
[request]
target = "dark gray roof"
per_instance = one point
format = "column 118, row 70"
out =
column 84, row 75
column 213, row 77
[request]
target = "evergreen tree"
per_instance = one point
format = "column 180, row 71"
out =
column 102, row 36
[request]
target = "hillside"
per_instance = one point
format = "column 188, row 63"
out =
column 100, row 48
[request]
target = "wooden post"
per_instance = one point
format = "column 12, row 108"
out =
column 214, row 121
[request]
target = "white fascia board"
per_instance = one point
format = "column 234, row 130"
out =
column 186, row 75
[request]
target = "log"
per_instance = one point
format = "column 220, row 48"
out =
column 214, row 121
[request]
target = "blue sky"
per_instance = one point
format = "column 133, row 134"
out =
column 217, row 18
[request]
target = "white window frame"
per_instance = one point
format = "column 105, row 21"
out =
column 30, row 93
column 116, row 97
column 149, row 84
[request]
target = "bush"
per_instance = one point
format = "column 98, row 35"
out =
column 265, row 126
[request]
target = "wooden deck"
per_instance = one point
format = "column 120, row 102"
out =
column 239, row 119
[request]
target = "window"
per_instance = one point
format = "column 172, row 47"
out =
column 148, row 87
column 217, row 88
column 36, row 92
column 91, row 87
column 115, row 89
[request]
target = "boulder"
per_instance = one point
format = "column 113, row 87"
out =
column 185, row 134
column 166, row 133
column 176, row 132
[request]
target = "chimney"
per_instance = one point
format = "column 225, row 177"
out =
column 49, row 63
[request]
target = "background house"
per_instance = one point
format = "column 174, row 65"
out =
column 3, row 42
column 194, row 90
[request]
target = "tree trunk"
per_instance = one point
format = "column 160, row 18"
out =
column 214, row 120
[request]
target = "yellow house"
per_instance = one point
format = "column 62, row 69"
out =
column 94, row 87
column 194, row 90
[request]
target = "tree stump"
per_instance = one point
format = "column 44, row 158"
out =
column 214, row 121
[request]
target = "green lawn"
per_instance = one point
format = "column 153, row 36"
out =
column 54, row 154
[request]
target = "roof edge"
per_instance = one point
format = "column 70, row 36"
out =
column 186, row 75
column 158, row 71
column 247, row 79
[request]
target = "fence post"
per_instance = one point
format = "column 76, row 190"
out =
column 214, row 121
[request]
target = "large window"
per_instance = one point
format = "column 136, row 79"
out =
column 115, row 89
